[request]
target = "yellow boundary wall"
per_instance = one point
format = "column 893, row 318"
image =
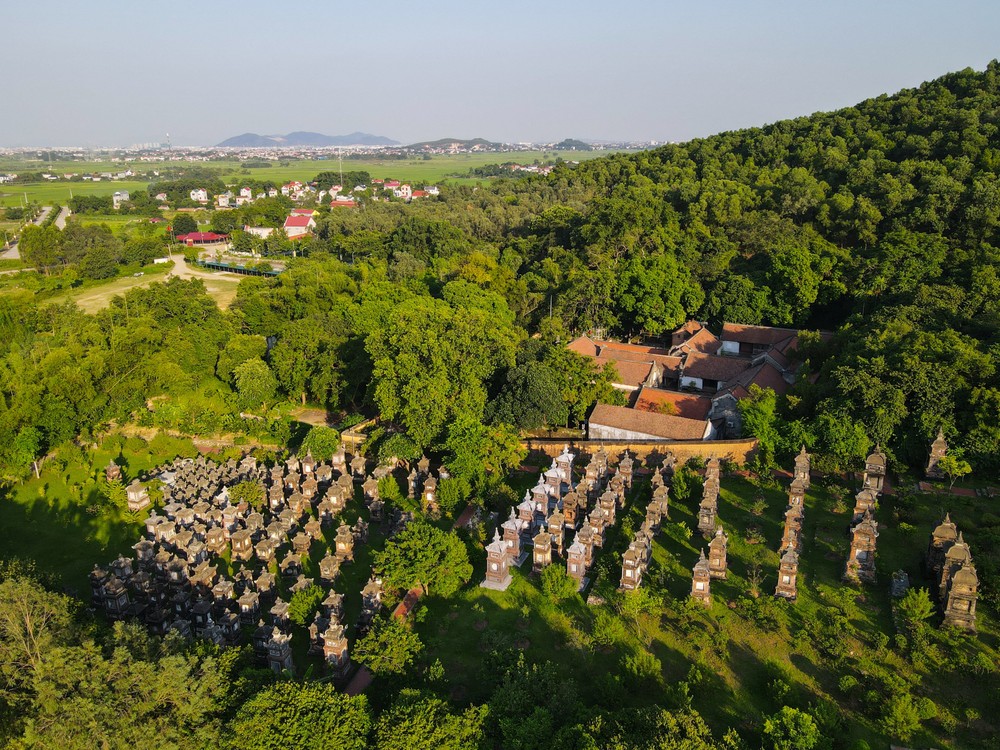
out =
column 737, row 451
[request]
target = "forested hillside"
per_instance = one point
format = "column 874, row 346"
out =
column 448, row 318
column 879, row 221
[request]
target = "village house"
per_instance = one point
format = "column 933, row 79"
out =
column 296, row 226
column 262, row 232
column 199, row 195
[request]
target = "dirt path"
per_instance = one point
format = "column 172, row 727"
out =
column 220, row 285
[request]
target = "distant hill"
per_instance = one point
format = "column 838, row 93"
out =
column 572, row 144
column 302, row 138
column 456, row 143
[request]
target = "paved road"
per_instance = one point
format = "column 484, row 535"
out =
column 13, row 252
column 61, row 218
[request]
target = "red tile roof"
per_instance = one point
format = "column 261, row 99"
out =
column 747, row 334
column 703, row 341
column 690, row 327
column 671, row 365
column 765, row 375
column 612, row 348
column 714, row 367
column 303, row 212
column 297, row 221
column 631, row 374
column 684, row 404
column 202, row 237
column 662, row 426
column 583, row 345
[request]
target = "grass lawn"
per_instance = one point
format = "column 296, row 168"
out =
column 92, row 296
column 222, row 288
column 117, row 223
column 60, row 520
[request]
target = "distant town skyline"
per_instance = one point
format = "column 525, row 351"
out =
column 116, row 73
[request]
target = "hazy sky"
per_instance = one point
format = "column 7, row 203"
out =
column 98, row 72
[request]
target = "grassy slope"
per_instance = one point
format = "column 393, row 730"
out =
column 42, row 520
column 740, row 659
column 47, row 520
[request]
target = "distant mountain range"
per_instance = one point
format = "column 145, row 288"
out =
column 300, row 138
column 456, row 143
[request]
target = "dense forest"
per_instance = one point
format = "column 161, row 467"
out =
column 448, row 317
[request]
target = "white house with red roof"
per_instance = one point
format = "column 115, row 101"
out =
column 296, row 226
column 262, row 232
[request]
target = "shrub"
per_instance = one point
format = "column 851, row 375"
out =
column 901, row 718
column 304, row 603
column 643, row 667
column 135, row 444
column 607, row 630
column 557, row 584
column 847, row 683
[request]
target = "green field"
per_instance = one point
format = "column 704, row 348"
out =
column 418, row 171
column 51, row 193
